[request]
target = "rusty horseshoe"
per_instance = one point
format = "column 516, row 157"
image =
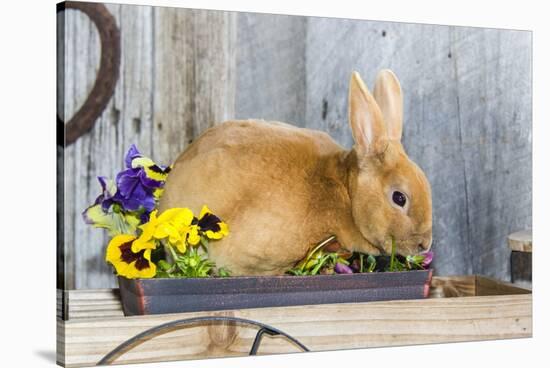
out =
column 107, row 76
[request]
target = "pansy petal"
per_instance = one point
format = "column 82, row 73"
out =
column 193, row 236
column 127, row 181
column 181, row 246
column 130, row 155
column 157, row 173
column 114, row 222
column 213, row 235
column 144, row 217
column 148, row 182
column 142, row 161
column 157, row 193
column 108, row 186
column 164, row 230
column 148, row 229
column 205, row 210
column 184, row 217
column 428, row 257
column 128, row 263
column 169, row 214
column 139, row 244
column 149, row 203
column 113, row 254
column 223, row 231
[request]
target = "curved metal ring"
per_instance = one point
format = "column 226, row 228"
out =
column 181, row 323
column 107, row 75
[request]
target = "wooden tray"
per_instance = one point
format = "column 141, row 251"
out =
column 462, row 308
column 157, row 296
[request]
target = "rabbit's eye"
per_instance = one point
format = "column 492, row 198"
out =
column 399, row 199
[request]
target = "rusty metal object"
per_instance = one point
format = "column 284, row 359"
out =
column 107, row 76
column 166, row 295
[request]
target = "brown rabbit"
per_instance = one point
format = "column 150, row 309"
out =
column 281, row 189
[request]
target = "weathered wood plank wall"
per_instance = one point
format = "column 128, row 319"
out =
column 177, row 78
column 467, row 95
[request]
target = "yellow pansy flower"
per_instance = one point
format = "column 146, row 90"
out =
column 152, row 170
column 173, row 225
column 128, row 263
column 211, row 225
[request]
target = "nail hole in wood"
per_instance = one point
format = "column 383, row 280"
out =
column 136, row 122
column 115, row 115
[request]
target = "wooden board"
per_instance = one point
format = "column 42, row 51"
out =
column 521, row 241
column 89, row 335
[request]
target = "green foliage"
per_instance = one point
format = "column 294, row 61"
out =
column 371, row 263
column 409, row 263
column 189, row 264
column 223, row 272
column 318, row 261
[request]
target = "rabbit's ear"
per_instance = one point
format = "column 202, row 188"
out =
column 387, row 93
column 365, row 118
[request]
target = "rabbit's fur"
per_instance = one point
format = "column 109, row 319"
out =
column 281, row 189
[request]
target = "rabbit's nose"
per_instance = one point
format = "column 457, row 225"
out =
column 425, row 242
column 424, row 246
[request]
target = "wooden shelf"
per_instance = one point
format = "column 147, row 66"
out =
column 462, row 308
column 521, row 241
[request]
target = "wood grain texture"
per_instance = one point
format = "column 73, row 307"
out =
column 271, row 67
column 322, row 327
column 467, row 96
column 521, row 241
column 194, row 76
column 467, row 123
column 177, row 79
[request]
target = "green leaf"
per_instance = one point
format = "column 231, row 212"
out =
column 371, row 261
column 320, row 264
column 392, row 258
column 163, row 265
column 222, row 272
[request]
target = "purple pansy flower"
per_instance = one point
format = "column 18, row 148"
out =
column 428, row 257
column 130, row 155
column 135, row 187
column 342, row 268
column 108, row 192
column 136, row 190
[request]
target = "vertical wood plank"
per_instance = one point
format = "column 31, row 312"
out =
column 493, row 81
column 194, row 76
column 271, row 67
column 80, row 67
column 215, row 36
